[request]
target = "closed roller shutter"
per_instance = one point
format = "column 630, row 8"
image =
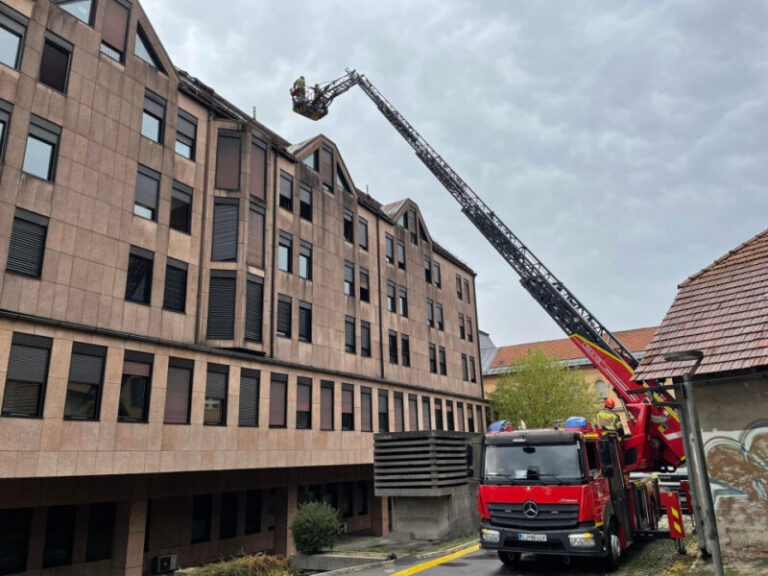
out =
column 221, row 306
column 178, row 392
column 249, row 398
column 254, row 309
column 224, row 248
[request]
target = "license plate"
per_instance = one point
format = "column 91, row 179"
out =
column 532, row 537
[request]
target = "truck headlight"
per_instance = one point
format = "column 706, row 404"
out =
column 490, row 536
column 585, row 539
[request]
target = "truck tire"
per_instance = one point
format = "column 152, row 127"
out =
column 509, row 558
column 613, row 543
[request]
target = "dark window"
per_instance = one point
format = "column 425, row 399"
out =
column 285, row 252
column 175, row 297
column 13, row 28
column 460, row 416
column 305, row 260
column 15, row 524
column 349, row 335
column 436, row 275
column 253, row 511
column 221, row 305
column 80, row 9
column 138, row 285
column 413, row 223
column 413, row 412
column 449, row 415
column 427, row 270
column 228, row 515
column 432, row 359
column 305, row 202
column 391, row 303
column 286, row 191
column 443, row 367
column 462, row 331
column 347, row 407
column 439, row 316
column 400, row 255
column 458, row 286
column 144, row 50
column 59, row 536
column 341, row 180
column 147, row 191
column 362, row 498
column 181, row 207
column 349, row 279
column 284, row 305
column 303, row 403
column 115, row 28
column 365, row 286
column 466, row 291
column 365, row 339
column 392, row 347
column 426, row 413
column 27, row 246
column 403, row 301
column 472, row 373
column 469, row 329
column 216, row 385
column 178, row 393
column 42, row 148
column 186, row 134
column 153, row 119
column 390, row 249
column 326, row 167
column 399, row 412
column 405, row 350
column 225, row 215
column 312, row 161
column 479, row 419
column 86, row 375
column 270, row 515
column 135, row 387
column 254, row 308
column 256, row 236
column 347, row 508
column 438, row 414
column 430, row 313
column 464, row 375
column 258, row 168
column 349, row 226
column 5, row 119
column 202, row 515
column 228, row 160
column 305, row 321
column 249, row 398
column 383, row 411
column 362, row 233
column 403, row 221
column 27, row 376
column 326, row 405
column 366, row 415
column 101, row 531
column 278, row 388
column 55, row 61
column 470, row 418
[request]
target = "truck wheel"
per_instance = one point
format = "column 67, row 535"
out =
column 509, row 558
column 612, row 560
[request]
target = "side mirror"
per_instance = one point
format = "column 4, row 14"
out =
column 608, row 471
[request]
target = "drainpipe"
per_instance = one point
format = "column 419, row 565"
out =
column 200, row 276
column 273, row 311
column 378, row 279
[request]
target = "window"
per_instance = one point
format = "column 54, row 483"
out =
column 469, row 329
column 479, row 413
column 349, row 227
column 249, row 398
column 216, row 385
column 458, row 286
column 286, row 191
column 285, row 252
column 135, row 387
column 305, row 202
column 405, row 350
column 347, row 507
column 362, row 233
column 42, row 148
column 341, row 180
column 305, row 260
column 466, row 291
column 438, row 414
column 436, row 275
column 403, row 221
column 464, row 375
column 138, row 285
column 154, row 116
column 441, row 356
column 399, row 412
column 27, row 376
column 347, row 407
column 186, row 134
column 143, row 50
column 101, row 531
column 221, row 305
column 432, row 359
column 460, row 416
column 600, row 389
column 303, row 403
column 258, row 168
column 178, row 393
column 470, row 418
column 349, row 279
column 27, row 247
column 365, row 288
column 253, row 511
column 462, row 332
column 390, row 249
column 175, row 296
column 305, row 321
column 147, row 189
column 392, row 347
column 326, row 405
column 365, row 339
column 284, row 305
column 366, row 414
column 383, row 411
column 115, row 28
column 5, row 119
column 472, row 373
column 400, row 255
column 228, row 160
column 413, row 412
column 413, row 223
column 55, row 62
column 391, row 306
column 326, row 166
column 13, row 27
column 426, row 413
column 59, row 536
column 278, row 387
column 181, row 207
column 427, row 270
column 86, row 375
column 403, row 301
column 349, row 335
column 361, row 489
column 228, row 515
column 439, row 310
column 202, row 515
column 449, row 415
column 225, row 222
column 430, row 313
column 80, row 9
column 312, row 161
column 255, row 254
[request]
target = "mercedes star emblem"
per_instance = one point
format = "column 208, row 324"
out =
column 530, row 509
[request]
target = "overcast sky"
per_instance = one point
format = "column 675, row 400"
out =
column 625, row 143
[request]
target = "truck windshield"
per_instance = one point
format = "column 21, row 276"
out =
column 546, row 463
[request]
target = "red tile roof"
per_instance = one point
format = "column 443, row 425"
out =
column 722, row 311
column 635, row 340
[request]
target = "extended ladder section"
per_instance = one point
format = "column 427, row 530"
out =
column 597, row 343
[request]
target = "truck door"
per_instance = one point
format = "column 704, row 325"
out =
column 611, row 461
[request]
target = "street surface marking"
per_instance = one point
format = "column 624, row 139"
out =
column 437, row 561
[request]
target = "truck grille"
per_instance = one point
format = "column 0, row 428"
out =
column 552, row 516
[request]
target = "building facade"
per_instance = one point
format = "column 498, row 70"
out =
column 201, row 325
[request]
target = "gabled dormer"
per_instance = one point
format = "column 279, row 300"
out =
column 320, row 155
column 406, row 214
column 147, row 46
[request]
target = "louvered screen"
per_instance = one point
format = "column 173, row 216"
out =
column 349, row 334
column 304, row 395
column 228, row 161
column 136, row 368
column 86, row 369
column 221, row 308
column 326, row 406
column 28, row 364
column 113, row 31
column 258, row 168
column 347, row 400
column 216, row 385
column 254, row 309
column 249, row 398
column 177, row 395
column 365, row 337
column 186, row 125
column 27, row 247
column 305, row 322
column 413, row 412
column 21, row 398
column 277, row 398
column 175, row 296
column 224, row 248
column 154, row 104
column 284, row 316
column 366, row 423
column 399, row 417
column 147, row 184
column 256, row 236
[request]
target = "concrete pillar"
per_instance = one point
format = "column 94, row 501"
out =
column 130, row 526
column 285, row 509
column 379, row 516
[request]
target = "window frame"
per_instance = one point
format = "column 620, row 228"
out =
column 6, row 112
column 430, row 313
column 155, row 106
column 257, row 209
column 81, row 349
column 383, row 395
column 305, row 252
column 28, row 341
column 306, row 309
column 401, row 253
column 439, row 319
column 182, row 193
column 305, row 208
column 365, row 326
column 227, row 135
column 254, row 330
column 285, row 242
column 40, row 222
column 437, row 274
column 362, row 233
column 141, row 196
column 389, row 248
column 137, row 358
column 391, row 297
column 91, row 12
column 108, row 49
column 46, row 132
column 393, row 353
column 284, row 201
column 302, row 382
column 441, row 361
column 56, row 42
column 366, row 392
column 326, row 386
column 172, row 263
column 350, row 321
column 348, row 228
column 349, row 279
column 254, row 375
column 17, row 24
column 183, row 137
column 154, row 59
column 345, row 390
column 365, row 285
column 187, row 365
column 403, row 301
column 137, row 253
column 284, row 299
column 278, row 379
column 428, row 270
column 432, row 358
column 405, row 350
column 226, row 279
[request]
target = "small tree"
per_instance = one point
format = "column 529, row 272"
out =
column 315, row 526
column 538, row 390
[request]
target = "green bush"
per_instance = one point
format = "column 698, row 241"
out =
column 315, row 526
column 258, row 565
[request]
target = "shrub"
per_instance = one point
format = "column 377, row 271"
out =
column 258, row 565
column 315, row 526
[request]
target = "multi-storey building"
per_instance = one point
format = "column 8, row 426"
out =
column 201, row 325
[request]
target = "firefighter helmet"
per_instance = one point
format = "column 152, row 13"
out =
column 609, row 403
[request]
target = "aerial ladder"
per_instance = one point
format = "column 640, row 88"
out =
column 655, row 442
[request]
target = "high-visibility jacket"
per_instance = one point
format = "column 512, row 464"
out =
column 607, row 420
